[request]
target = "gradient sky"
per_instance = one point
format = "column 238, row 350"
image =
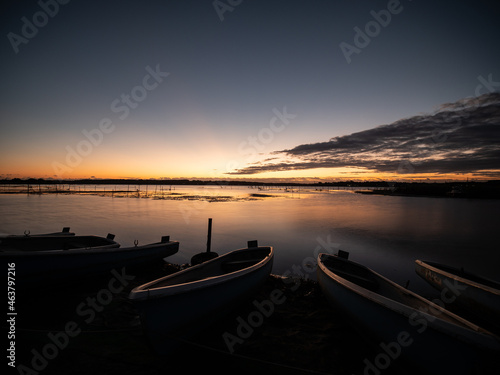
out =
column 230, row 74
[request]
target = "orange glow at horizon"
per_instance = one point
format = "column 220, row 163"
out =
column 201, row 169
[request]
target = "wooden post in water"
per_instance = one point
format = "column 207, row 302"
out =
column 207, row 255
column 209, row 236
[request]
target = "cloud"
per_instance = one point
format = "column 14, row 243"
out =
column 460, row 137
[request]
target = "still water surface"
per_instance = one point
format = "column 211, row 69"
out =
column 385, row 233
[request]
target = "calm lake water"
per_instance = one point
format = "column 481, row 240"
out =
column 385, row 233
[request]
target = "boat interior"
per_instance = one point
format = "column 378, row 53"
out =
column 44, row 243
column 466, row 275
column 369, row 280
column 231, row 262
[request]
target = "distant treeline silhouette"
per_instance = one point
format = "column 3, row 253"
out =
column 380, row 184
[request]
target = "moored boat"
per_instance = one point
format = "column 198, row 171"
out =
column 48, row 259
column 174, row 307
column 65, row 232
column 476, row 294
column 426, row 336
column 51, row 242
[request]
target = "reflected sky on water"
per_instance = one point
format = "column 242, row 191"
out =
column 385, row 233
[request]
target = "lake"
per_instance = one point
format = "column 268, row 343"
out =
column 385, row 233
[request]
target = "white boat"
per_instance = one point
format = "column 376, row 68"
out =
column 174, row 307
column 403, row 324
column 41, row 260
column 478, row 295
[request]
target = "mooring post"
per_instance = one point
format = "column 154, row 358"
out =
column 209, row 236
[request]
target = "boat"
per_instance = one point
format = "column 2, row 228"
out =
column 50, row 259
column 51, row 242
column 175, row 307
column 478, row 295
column 65, row 232
column 417, row 333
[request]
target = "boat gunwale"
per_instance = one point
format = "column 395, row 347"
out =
column 432, row 267
column 62, row 233
column 112, row 247
column 371, row 295
column 436, row 322
column 143, row 292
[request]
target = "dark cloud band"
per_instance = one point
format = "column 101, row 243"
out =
column 460, row 137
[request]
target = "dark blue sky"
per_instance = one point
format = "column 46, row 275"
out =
column 225, row 79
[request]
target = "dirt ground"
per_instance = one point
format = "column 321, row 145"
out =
column 287, row 328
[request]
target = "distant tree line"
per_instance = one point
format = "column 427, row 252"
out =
column 376, row 184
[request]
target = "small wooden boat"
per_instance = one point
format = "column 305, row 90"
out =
column 428, row 337
column 478, row 295
column 50, row 259
column 51, row 242
column 65, row 232
column 174, row 307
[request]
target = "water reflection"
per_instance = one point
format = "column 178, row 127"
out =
column 385, row 233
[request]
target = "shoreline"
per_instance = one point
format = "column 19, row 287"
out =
column 435, row 193
column 165, row 189
column 302, row 334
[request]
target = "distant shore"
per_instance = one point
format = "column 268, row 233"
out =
column 485, row 190
column 159, row 188
column 345, row 183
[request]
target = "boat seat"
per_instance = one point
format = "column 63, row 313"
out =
column 231, row 266
column 369, row 284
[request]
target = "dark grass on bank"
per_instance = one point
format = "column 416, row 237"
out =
column 301, row 335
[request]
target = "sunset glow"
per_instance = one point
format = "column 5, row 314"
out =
column 168, row 92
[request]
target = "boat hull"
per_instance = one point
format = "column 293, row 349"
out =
column 64, row 232
column 53, row 266
column 169, row 320
column 478, row 298
column 419, row 339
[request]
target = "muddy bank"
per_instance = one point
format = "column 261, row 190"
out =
column 297, row 334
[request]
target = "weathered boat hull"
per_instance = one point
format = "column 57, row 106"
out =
column 171, row 317
column 43, row 243
column 426, row 337
column 65, row 232
column 478, row 295
column 42, row 267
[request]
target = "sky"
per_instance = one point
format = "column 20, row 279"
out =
column 241, row 89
